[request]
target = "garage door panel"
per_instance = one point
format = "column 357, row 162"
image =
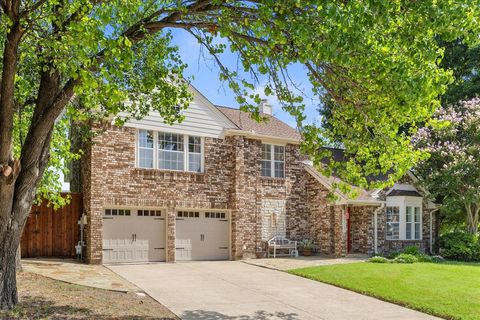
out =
column 134, row 238
column 202, row 237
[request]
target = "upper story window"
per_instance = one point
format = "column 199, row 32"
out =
column 273, row 161
column 404, row 218
column 169, row 151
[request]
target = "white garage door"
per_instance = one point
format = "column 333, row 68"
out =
column 202, row 235
column 133, row 235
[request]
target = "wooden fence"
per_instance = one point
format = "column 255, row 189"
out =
column 52, row 233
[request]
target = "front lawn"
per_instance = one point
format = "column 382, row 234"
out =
column 447, row 290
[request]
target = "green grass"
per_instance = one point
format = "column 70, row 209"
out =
column 447, row 290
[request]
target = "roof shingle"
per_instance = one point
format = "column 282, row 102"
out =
column 272, row 127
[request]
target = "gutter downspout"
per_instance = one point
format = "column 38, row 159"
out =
column 375, row 228
column 431, row 229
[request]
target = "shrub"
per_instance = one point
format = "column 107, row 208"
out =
column 392, row 254
column 405, row 258
column 413, row 250
column 425, row 258
column 459, row 245
column 437, row 259
column 378, row 259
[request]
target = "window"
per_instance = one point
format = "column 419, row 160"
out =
column 169, row 151
column 194, row 154
column 117, row 212
column 273, row 161
column 215, row 215
column 145, row 149
column 188, row 214
column 266, row 160
column 393, row 223
column 404, row 218
column 418, row 223
column 149, row 213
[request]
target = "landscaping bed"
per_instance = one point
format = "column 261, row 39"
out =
column 449, row 290
column 44, row 298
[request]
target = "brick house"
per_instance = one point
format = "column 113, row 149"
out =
column 218, row 185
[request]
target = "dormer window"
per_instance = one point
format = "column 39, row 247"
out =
column 404, row 217
column 273, row 161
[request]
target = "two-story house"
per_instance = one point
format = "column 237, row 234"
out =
column 218, row 185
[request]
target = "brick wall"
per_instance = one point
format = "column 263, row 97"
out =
column 231, row 180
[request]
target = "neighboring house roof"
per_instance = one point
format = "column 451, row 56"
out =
column 272, row 127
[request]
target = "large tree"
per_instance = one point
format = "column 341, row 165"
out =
column 464, row 61
column 90, row 59
column 452, row 173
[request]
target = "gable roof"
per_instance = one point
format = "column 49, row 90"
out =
column 273, row 127
column 202, row 118
column 365, row 197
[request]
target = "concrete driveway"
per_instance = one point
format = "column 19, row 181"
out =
column 238, row 291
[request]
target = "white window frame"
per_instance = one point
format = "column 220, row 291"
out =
column 402, row 202
column 155, row 152
column 272, row 160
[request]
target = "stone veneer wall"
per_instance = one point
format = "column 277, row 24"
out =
column 231, row 181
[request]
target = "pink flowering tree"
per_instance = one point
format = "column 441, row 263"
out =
column 452, row 172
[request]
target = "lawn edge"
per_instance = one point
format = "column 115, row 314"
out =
column 376, row 296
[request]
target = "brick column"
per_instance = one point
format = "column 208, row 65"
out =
column 237, row 199
column 339, row 237
column 170, row 243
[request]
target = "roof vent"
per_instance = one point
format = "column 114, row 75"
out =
column 265, row 107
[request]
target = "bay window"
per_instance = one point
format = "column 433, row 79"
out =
column 404, row 218
column 169, row 151
column 393, row 223
column 273, row 161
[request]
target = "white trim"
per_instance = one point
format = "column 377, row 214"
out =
column 263, row 137
column 227, row 123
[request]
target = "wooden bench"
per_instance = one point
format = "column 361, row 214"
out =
column 282, row 243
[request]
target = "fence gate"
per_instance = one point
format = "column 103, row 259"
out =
column 52, row 233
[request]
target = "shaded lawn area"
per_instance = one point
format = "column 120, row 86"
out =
column 447, row 290
column 44, row 298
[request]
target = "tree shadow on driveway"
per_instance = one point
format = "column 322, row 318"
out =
column 258, row 315
column 33, row 308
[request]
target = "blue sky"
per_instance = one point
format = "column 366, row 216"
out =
column 205, row 74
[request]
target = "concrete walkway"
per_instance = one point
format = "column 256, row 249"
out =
column 287, row 263
column 74, row 272
column 238, row 291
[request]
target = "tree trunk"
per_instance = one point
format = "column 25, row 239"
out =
column 8, row 278
column 18, row 259
column 472, row 217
